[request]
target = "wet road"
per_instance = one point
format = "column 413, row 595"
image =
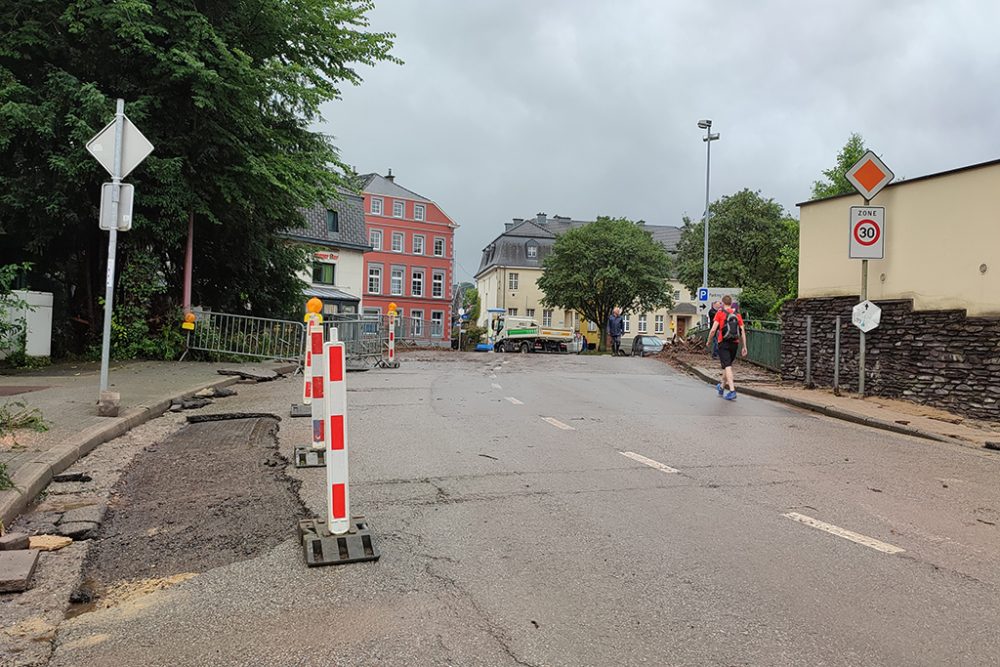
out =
column 547, row 510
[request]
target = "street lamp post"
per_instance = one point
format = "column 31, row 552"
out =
column 708, row 139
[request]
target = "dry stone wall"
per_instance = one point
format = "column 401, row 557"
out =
column 940, row 358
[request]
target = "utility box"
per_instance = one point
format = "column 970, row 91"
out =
column 38, row 319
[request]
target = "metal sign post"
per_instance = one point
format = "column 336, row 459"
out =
column 868, row 176
column 119, row 147
column 109, row 287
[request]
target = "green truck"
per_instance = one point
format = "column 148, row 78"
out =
column 523, row 334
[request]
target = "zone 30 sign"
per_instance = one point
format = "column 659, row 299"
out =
column 867, row 232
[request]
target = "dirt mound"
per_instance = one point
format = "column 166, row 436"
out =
column 211, row 494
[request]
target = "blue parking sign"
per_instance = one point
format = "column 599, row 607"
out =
column 702, row 294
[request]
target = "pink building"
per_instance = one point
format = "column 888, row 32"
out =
column 412, row 261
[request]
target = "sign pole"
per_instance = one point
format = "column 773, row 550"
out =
column 109, row 287
column 861, row 349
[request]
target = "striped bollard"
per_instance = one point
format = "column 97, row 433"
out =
column 335, row 396
column 340, row 538
column 302, row 409
column 314, row 455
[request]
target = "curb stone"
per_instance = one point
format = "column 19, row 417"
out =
column 33, row 477
column 831, row 411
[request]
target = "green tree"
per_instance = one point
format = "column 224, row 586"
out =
column 752, row 244
column 607, row 263
column 226, row 91
column 835, row 182
column 470, row 301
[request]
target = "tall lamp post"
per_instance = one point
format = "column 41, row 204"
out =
column 708, row 139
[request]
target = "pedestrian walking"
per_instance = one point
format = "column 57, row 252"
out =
column 712, row 312
column 728, row 332
column 616, row 327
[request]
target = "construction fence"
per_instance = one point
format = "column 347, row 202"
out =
column 225, row 336
column 763, row 343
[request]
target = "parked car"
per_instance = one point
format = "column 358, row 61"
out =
column 644, row 345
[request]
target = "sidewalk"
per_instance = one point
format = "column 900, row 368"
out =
column 67, row 396
column 883, row 413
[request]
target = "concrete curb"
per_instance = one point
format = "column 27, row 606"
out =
column 32, row 478
column 830, row 411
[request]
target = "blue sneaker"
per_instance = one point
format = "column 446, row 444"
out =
column 730, row 396
column 719, row 389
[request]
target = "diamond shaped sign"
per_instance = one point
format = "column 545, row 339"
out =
column 869, row 175
column 135, row 147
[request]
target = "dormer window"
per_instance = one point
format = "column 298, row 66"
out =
column 532, row 250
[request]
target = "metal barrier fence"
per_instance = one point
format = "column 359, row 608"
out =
column 224, row 335
column 763, row 343
column 366, row 339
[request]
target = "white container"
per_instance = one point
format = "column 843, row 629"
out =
column 38, row 317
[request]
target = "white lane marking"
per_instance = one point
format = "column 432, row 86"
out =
column 496, row 386
column 513, row 400
column 649, row 462
column 558, row 424
column 869, row 542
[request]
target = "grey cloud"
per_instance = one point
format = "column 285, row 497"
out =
column 583, row 108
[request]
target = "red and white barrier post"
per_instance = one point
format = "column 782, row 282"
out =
column 335, row 396
column 318, row 404
column 313, row 308
column 392, row 334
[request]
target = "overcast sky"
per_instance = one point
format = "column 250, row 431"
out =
column 505, row 108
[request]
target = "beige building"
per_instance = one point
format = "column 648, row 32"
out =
column 942, row 243
column 511, row 266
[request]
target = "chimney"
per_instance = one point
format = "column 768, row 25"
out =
column 540, row 217
column 507, row 226
column 641, row 223
column 389, row 177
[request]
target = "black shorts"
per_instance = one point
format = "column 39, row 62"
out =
column 727, row 352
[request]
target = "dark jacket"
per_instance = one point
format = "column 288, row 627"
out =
column 616, row 325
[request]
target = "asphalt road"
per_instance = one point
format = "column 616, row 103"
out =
column 514, row 531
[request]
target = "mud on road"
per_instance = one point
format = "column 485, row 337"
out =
column 211, row 494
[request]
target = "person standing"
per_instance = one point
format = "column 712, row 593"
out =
column 712, row 312
column 616, row 327
column 728, row 331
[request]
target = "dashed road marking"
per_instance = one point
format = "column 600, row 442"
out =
column 513, row 400
column 864, row 540
column 649, row 462
column 558, row 424
column 496, row 386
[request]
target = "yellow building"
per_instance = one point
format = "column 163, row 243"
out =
column 942, row 235
column 512, row 264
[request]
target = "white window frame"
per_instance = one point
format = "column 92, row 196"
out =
column 546, row 317
column 417, row 317
column 416, row 278
column 419, row 212
column 398, row 236
column 437, row 323
column 419, row 250
column 437, row 240
column 377, row 206
column 677, row 295
column 628, row 323
column 530, row 312
column 512, row 312
column 375, row 238
column 375, row 271
column 642, row 324
column 658, row 324
column 532, row 251
column 512, row 280
column 393, row 273
column 437, row 284
column 398, row 205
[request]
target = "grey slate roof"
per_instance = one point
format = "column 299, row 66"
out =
column 351, row 217
column 377, row 184
column 511, row 247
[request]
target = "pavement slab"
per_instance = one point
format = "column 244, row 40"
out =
column 16, row 568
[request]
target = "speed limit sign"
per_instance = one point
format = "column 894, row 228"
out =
column 867, row 232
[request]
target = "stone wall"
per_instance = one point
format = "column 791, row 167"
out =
column 940, row 358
